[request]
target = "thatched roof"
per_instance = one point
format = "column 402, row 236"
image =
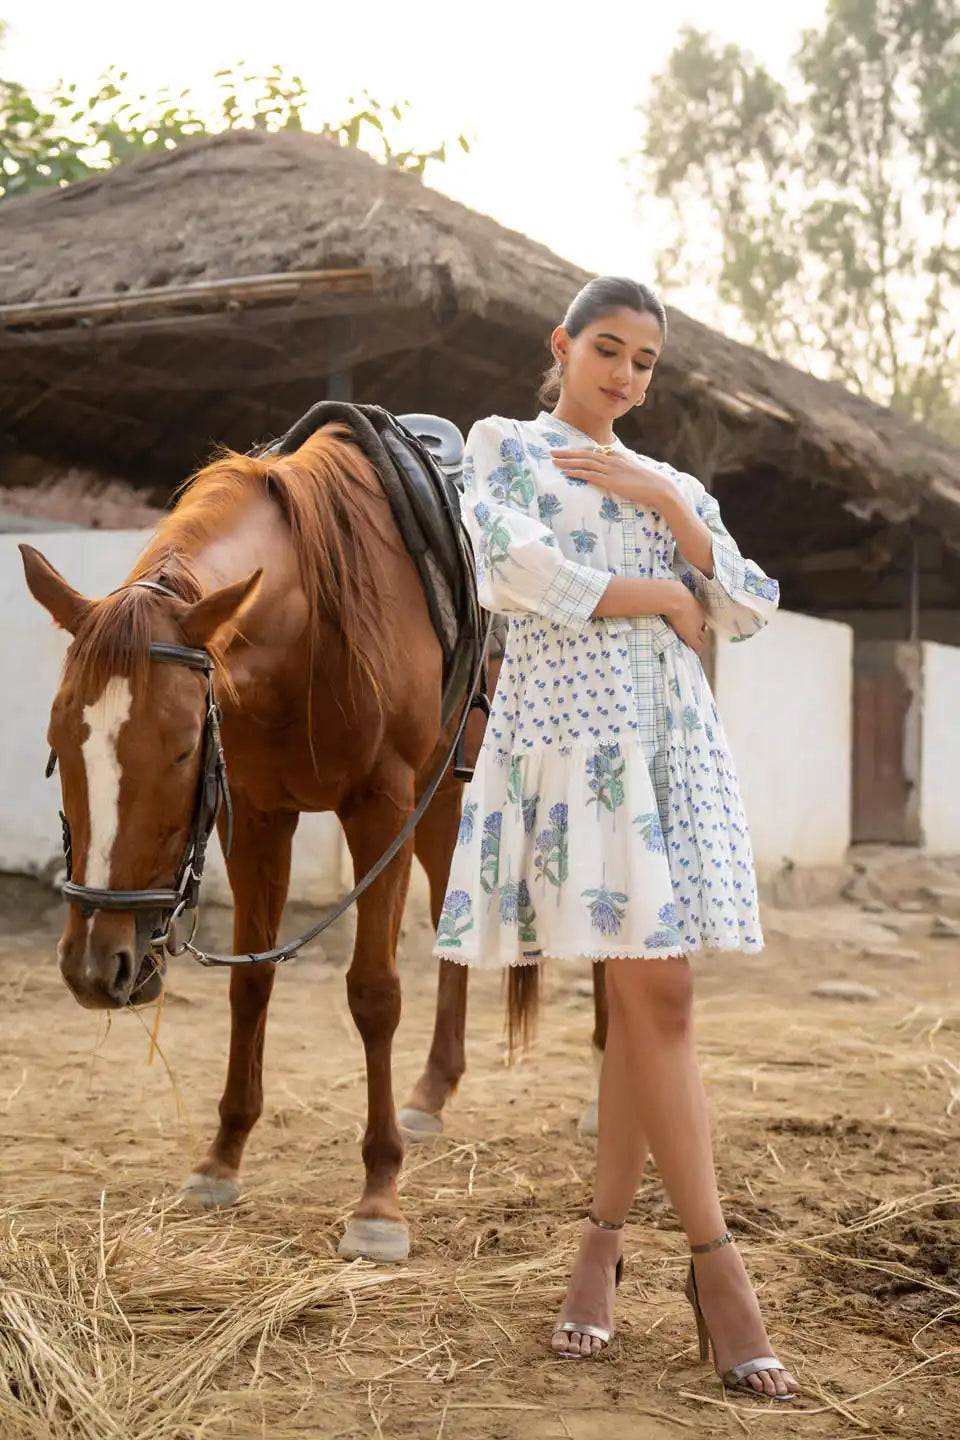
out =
column 205, row 295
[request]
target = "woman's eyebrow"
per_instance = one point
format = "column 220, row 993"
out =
column 644, row 349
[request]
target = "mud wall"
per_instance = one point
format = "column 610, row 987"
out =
column 940, row 750
column 785, row 701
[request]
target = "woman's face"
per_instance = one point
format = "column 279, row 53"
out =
column 609, row 365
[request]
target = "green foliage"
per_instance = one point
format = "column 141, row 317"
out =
column 825, row 212
column 74, row 134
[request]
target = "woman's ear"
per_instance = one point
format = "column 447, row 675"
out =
column 560, row 345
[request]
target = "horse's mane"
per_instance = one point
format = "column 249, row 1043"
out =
column 324, row 490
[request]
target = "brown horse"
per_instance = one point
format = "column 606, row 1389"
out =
column 290, row 573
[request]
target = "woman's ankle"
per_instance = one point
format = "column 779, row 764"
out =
column 595, row 1218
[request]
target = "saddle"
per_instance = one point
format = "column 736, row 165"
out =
column 419, row 461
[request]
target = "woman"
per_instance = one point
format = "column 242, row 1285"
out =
column 604, row 818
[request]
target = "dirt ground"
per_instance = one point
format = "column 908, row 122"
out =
column 836, row 1129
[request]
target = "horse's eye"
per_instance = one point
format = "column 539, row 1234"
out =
column 183, row 758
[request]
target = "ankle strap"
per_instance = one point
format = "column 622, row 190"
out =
column 725, row 1239
column 604, row 1224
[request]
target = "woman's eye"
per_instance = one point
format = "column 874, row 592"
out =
column 638, row 366
column 607, row 354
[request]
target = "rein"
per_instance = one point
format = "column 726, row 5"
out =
column 181, row 901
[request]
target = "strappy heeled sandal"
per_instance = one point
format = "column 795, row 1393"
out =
column 738, row 1376
column 594, row 1332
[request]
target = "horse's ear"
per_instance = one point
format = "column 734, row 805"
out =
column 66, row 605
column 203, row 620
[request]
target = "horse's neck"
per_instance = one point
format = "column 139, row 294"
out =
column 255, row 538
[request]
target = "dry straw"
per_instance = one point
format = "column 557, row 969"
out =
column 125, row 1319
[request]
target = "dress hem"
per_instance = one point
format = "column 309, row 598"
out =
column 594, row 955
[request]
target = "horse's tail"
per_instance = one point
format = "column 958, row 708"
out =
column 523, row 1005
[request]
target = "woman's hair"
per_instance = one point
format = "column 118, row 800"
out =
column 599, row 297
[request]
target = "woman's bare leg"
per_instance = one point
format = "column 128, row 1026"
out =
column 621, row 1157
column 651, row 1092
column 653, row 1001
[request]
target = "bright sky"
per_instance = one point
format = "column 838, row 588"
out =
column 546, row 93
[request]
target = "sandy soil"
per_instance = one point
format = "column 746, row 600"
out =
column 836, row 1127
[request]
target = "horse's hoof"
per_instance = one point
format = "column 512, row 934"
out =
column 385, row 1240
column 419, row 1125
column 588, row 1123
column 206, row 1192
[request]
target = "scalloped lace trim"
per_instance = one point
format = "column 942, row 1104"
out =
column 610, row 954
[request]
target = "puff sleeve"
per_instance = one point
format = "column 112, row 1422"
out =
column 520, row 566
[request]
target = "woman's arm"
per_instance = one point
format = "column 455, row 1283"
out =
column 626, row 597
column 737, row 596
column 694, row 540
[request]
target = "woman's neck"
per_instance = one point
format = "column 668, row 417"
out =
column 580, row 418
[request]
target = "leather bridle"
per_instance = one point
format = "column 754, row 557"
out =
column 183, row 896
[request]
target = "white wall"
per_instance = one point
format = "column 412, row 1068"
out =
column 785, row 699
column 31, row 653
column 940, row 750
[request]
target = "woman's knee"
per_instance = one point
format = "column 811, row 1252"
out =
column 660, row 991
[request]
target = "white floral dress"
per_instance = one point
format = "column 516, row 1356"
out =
column 604, row 818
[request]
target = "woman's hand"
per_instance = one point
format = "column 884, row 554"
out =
column 620, row 474
column 687, row 617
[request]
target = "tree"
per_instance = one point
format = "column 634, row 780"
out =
column 74, row 135
column 825, row 211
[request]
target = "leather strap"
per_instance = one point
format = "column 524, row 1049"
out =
column 604, row 1224
column 725, row 1239
column 87, row 899
column 737, row 1373
column 570, row 1327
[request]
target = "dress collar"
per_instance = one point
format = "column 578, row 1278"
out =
column 563, row 427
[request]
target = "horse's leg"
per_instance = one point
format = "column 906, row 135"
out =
column 588, row 1120
column 434, row 842
column 259, row 871
column 377, row 1229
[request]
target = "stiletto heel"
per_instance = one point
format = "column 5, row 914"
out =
column 703, row 1334
column 738, row 1376
column 571, row 1327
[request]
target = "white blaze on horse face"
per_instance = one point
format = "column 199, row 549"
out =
column 105, row 718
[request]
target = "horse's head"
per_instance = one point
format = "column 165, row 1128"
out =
column 129, row 739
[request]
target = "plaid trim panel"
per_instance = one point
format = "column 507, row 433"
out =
column 573, row 594
column 729, row 574
column 645, row 640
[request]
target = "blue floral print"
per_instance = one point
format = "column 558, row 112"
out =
column 456, row 907
column 607, row 907
column 490, row 851
column 584, row 541
column 465, row 832
column 651, row 832
column 548, row 506
column 605, row 769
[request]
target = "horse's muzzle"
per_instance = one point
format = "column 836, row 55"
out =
column 109, row 967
